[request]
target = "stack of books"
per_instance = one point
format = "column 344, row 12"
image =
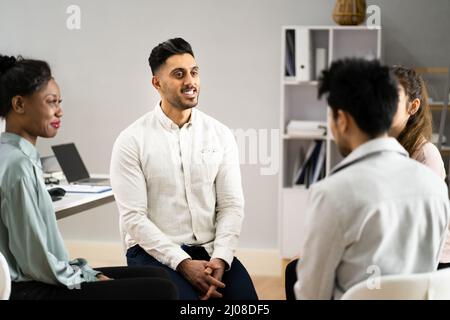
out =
column 306, row 128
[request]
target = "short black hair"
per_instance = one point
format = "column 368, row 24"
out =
column 365, row 89
column 19, row 76
column 165, row 50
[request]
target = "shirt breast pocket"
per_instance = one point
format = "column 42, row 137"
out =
column 211, row 156
column 207, row 166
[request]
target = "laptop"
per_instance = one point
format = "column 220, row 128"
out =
column 73, row 166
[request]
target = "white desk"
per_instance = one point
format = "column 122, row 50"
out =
column 73, row 203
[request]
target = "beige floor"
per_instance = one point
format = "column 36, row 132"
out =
column 269, row 288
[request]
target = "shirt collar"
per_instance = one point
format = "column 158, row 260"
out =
column 23, row 144
column 167, row 122
column 369, row 148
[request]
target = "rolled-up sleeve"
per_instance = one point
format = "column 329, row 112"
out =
column 230, row 203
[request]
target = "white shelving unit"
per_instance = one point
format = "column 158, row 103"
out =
column 442, row 77
column 438, row 79
column 299, row 81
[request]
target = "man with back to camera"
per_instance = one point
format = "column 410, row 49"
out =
column 378, row 210
column 176, row 179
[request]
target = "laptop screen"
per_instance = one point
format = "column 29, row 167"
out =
column 70, row 161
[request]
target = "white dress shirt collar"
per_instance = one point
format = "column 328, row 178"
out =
column 369, row 148
column 168, row 123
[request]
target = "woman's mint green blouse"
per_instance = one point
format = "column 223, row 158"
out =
column 29, row 236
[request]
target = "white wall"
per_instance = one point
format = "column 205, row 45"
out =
column 105, row 79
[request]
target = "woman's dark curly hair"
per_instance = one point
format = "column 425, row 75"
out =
column 19, row 76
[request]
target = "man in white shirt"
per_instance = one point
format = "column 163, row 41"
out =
column 176, row 180
column 379, row 212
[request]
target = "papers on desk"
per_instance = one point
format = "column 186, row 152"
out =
column 82, row 188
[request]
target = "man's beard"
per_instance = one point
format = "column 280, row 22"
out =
column 342, row 145
column 177, row 103
column 344, row 150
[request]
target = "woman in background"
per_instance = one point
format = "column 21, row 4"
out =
column 30, row 102
column 412, row 124
column 412, row 127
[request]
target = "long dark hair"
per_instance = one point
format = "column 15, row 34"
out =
column 19, row 76
column 419, row 126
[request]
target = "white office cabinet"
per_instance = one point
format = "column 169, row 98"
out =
column 306, row 50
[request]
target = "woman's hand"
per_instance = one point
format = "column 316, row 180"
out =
column 102, row 277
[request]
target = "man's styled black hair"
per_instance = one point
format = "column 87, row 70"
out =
column 365, row 89
column 166, row 49
column 20, row 76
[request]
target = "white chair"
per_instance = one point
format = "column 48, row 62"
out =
column 5, row 279
column 421, row 286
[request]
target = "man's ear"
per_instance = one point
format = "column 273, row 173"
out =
column 155, row 82
column 413, row 107
column 18, row 104
column 342, row 121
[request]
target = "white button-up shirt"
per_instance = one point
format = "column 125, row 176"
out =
column 378, row 213
column 177, row 186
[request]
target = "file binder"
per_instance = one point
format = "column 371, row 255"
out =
column 303, row 54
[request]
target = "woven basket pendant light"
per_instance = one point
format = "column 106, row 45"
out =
column 349, row 12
